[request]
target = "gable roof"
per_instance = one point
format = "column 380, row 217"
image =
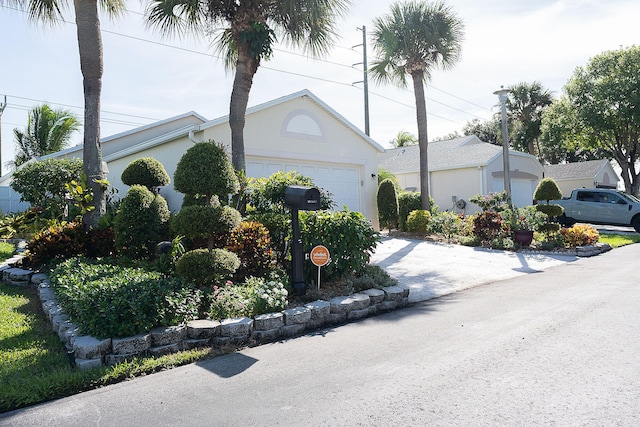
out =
column 300, row 94
column 468, row 151
column 577, row 170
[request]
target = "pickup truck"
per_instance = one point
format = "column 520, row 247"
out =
column 600, row 206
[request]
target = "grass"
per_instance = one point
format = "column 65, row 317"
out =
column 617, row 240
column 34, row 366
column 6, row 250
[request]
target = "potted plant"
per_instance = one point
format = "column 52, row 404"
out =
column 525, row 221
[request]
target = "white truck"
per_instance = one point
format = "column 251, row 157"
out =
column 600, row 206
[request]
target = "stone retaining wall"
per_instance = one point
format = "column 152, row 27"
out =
column 89, row 352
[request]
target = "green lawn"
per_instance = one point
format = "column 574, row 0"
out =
column 34, row 366
column 617, row 240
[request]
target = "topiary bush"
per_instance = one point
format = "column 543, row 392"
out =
column 548, row 190
column 207, row 268
column 407, row 202
column 418, row 221
column 387, row 200
column 107, row 300
column 145, row 171
column 252, row 243
column 213, row 223
column 348, row 235
column 141, row 223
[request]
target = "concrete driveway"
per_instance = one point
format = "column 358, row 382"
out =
column 432, row 269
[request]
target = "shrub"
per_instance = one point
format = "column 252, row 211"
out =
column 205, row 169
column 580, row 235
column 487, row 226
column 214, row 223
column 253, row 297
column 206, row 268
column 418, row 221
column 407, row 202
column 547, row 189
column 140, row 223
column 348, row 235
column 448, row 224
column 252, row 243
column 42, row 183
column 269, row 295
column 387, row 204
column 372, row 277
column 495, row 202
column 20, row 224
column 106, row 300
column 146, row 171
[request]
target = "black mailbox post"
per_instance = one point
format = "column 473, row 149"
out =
column 306, row 199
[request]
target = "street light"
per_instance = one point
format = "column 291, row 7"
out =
column 502, row 96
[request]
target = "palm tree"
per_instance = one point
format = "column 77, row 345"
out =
column 246, row 31
column 414, row 39
column 90, row 49
column 404, row 138
column 525, row 104
column 47, row 131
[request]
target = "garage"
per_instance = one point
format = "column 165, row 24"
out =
column 343, row 181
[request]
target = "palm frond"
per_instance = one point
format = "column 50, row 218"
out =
column 176, row 16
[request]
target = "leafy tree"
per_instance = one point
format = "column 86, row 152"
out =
column 246, row 35
column 42, row 183
column 488, row 131
column 605, row 95
column 559, row 142
column 525, row 104
column 404, row 138
column 447, row 137
column 414, row 39
column 48, row 131
column 91, row 66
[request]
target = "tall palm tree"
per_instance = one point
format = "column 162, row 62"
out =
column 414, row 39
column 47, row 131
column 525, row 104
column 404, row 138
column 245, row 33
column 90, row 49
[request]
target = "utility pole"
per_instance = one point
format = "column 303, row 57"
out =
column 502, row 96
column 365, row 80
column 2, row 107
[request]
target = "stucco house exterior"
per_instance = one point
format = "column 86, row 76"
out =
column 589, row 174
column 464, row 167
column 296, row 132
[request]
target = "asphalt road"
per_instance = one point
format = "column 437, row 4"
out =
column 558, row 347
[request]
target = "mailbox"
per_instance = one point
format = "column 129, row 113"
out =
column 302, row 198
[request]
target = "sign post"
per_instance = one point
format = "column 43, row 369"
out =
column 319, row 257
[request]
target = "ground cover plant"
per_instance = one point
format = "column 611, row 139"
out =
column 617, row 240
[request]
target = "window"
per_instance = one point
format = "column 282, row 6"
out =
column 302, row 124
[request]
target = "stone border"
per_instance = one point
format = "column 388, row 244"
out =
column 90, row 352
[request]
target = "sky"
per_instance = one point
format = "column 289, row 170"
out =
column 149, row 78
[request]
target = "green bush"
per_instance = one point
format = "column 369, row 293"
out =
column 547, row 189
column 205, row 169
column 487, row 226
column 145, row 171
column 495, row 202
column 42, row 183
column 207, row 268
column 141, row 223
column 580, row 235
column 448, row 224
column 551, row 210
column 207, row 222
column 407, row 203
column 348, row 235
column 21, row 224
column 372, row 277
column 107, row 300
column 253, row 297
column 418, row 221
column 387, row 200
column 252, row 243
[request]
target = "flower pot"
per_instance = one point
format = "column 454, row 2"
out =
column 523, row 237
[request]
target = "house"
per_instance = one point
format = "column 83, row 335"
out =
column 296, row 132
column 464, row 167
column 593, row 173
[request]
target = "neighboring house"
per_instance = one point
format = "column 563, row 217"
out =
column 464, row 167
column 296, row 132
column 593, row 173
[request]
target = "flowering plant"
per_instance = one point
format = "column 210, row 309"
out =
column 527, row 218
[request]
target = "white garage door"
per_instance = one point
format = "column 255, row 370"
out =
column 521, row 190
column 342, row 181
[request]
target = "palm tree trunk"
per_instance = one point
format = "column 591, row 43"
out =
column 421, row 116
column 90, row 49
column 246, row 68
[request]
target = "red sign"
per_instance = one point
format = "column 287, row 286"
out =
column 319, row 256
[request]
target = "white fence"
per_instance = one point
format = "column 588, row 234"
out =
column 10, row 201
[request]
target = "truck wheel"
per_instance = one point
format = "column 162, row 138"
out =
column 566, row 221
column 635, row 223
